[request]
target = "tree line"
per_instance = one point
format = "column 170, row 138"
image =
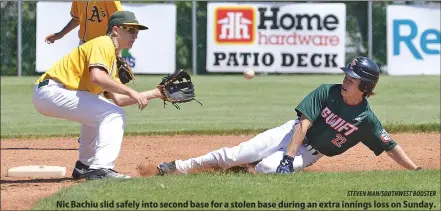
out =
column 356, row 27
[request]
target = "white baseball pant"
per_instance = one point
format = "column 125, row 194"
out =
column 102, row 122
column 269, row 147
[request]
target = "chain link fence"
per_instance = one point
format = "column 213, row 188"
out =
column 8, row 37
column 356, row 26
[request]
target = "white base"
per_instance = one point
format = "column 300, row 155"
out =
column 37, row 171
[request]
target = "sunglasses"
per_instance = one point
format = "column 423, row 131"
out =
column 130, row 29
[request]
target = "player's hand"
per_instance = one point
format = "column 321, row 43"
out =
column 140, row 99
column 52, row 38
column 286, row 166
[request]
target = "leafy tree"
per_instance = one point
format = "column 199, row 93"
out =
column 8, row 37
column 356, row 27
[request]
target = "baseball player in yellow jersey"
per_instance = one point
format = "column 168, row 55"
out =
column 92, row 16
column 71, row 90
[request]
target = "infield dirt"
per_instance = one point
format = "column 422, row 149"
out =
column 22, row 193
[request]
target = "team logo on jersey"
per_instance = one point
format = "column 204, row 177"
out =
column 234, row 25
column 96, row 15
column 338, row 123
column 385, row 136
column 129, row 58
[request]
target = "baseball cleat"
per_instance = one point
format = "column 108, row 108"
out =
column 94, row 174
column 166, row 168
column 80, row 170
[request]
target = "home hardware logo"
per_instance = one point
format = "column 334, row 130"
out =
column 234, row 25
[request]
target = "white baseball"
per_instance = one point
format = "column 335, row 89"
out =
column 248, row 74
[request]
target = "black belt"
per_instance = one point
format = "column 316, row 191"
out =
column 309, row 147
column 43, row 83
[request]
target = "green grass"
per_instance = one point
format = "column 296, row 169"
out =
column 302, row 187
column 231, row 105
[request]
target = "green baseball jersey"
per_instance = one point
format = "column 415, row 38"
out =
column 336, row 126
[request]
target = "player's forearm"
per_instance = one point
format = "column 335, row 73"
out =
column 100, row 78
column 73, row 23
column 399, row 156
column 123, row 100
column 297, row 139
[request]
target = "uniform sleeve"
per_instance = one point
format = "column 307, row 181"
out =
column 74, row 10
column 313, row 103
column 379, row 140
column 99, row 56
column 113, row 6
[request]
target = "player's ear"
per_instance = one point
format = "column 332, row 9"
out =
column 114, row 31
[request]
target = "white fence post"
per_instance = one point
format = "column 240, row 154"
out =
column 19, row 33
column 370, row 29
column 194, row 35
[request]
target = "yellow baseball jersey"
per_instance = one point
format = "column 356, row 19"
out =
column 73, row 69
column 93, row 16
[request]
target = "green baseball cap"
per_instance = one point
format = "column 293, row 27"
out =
column 124, row 18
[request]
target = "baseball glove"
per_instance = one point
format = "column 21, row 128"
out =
column 175, row 90
column 125, row 73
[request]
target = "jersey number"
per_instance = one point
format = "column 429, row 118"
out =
column 339, row 140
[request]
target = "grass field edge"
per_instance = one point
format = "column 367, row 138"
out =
column 153, row 184
column 391, row 128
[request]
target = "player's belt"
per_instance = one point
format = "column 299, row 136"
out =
column 309, row 147
column 43, row 83
column 46, row 82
